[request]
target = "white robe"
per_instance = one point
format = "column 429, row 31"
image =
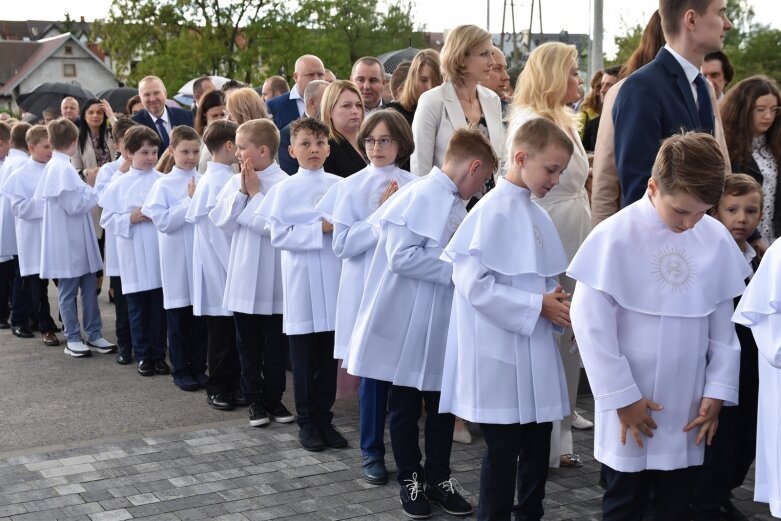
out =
column 347, row 205
column 651, row 314
column 106, row 175
column 211, row 246
column 137, row 249
column 13, row 160
column 254, row 278
column 760, row 309
column 401, row 328
column 310, row 270
column 18, row 188
column 502, row 364
column 166, row 205
column 69, row 248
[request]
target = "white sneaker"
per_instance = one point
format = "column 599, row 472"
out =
column 101, row 345
column 77, row 349
column 580, row 423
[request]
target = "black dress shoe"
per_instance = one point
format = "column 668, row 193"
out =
column 124, row 357
column 311, row 439
column 374, row 471
column 22, row 332
column 161, row 367
column 239, row 400
column 146, row 368
column 4, row 324
column 332, row 437
column 221, row 401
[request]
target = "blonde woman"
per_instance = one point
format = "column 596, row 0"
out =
column 341, row 108
column 551, row 80
column 424, row 74
column 466, row 59
column 245, row 105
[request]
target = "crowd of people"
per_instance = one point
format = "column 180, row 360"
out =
column 433, row 240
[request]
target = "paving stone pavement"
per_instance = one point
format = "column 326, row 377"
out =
column 230, row 471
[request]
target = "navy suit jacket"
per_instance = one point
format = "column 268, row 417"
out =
column 176, row 117
column 654, row 103
column 283, row 109
column 287, row 163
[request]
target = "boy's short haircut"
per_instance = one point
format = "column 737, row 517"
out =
column 120, row 127
column 19, row 135
column 469, row 144
column 62, row 133
column 138, row 136
column 743, row 184
column 183, row 133
column 36, row 134
column 399, row 130
column 5, row 131
column 218, row 133
column 312, row 125
column 261, row 132
column 692, row 163
column 539, row 133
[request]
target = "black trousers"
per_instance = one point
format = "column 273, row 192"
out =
column 627, row 494
column 728, row 458
column 314, row 377
column 513, row 453
column 37, row 291
column 13, row 301
column 406, row 406
column 186, row 342
column 147, row 324
column 121, row 320
column 261, row 347
column 221, row 355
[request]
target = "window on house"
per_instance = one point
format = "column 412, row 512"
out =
column 69, row 70
column 69, row 50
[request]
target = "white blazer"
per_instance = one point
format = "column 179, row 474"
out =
column 438, row 114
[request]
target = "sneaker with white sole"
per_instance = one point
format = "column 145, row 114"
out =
column 101, row 345
column 580, row 423
column 77, row 349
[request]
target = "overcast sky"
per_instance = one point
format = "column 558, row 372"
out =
column 557, row 15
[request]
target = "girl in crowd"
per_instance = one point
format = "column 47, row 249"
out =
column 424, row 74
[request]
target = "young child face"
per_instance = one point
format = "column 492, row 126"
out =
column 310, row 150
column 539, row 171
column 186, row 154
column 249, row 152
column 41, row 152
column 384, row 148
column 145, row 158
column 740, row 214
column 679, row 211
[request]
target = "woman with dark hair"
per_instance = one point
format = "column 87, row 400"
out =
column 133, row 106
column 752, row 129
column 211, row 108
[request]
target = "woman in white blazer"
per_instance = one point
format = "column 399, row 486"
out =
column 547, row 84
column 466, row 59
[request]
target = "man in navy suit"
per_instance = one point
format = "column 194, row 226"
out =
column 155, row 114
column 290, row 106
column 669, row 94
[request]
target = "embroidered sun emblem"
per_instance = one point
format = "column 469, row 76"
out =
column 673, row 268
column 453, row 221
column 537, row 237
column 373, row 202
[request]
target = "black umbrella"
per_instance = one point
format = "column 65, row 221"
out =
column 50, row 95
column 391, row 60
column 118, row 97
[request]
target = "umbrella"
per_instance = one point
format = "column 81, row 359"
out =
column 48, row 95
column 391, row 60
column 118, row 97
column 187, row 88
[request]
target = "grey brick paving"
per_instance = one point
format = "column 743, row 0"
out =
column 235, row 472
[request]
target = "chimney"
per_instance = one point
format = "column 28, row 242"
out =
column 82, row 19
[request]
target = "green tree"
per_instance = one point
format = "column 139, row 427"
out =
column 626, row 43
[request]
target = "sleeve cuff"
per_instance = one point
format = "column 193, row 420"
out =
column 617, row 399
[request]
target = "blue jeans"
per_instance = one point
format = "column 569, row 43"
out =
column 186, row 342
column 67, row 291
column 147, row 324
column 373, row 404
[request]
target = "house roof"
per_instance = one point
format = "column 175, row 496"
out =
column 19, row 30
column 30, row 56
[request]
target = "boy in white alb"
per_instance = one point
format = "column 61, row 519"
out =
column 211, row 252
column 5, row 146
column 19, row 188
column 651, row 310
column 759, row 309
column 310, row 279
column 401, row 328
column 502, row 366
column 253, row 291
column 137, row 250
column 106, row 175
column 69, row 248
column 166, row 205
